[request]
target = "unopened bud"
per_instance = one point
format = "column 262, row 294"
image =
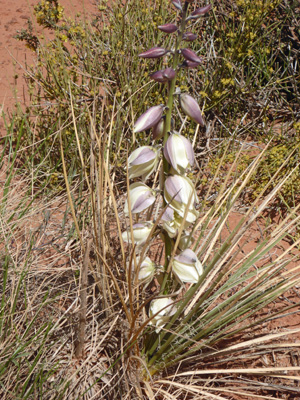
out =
column 154, row 52
column 158, row 129
column 149, row 118
column 177, row 4
column 201, row 11
column 189, row 64
column 163, row 75
column 189, row 36
column 191, row 108
column 188, row 54
column 158, row 76
column 168, row 28
column 169, row 73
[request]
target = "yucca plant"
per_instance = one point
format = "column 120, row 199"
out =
column 209, row 289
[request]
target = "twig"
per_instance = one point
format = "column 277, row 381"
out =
column 79, row 343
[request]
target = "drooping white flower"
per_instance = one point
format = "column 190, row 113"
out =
column 141, row 233
column 147, row 270
column 172, row 222
column 186, row 267
column 141, row 197
column 165, row 309
column 179, row 191
column 179, row 152
column 142, row 162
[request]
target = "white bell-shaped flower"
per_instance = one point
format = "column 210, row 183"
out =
column 179, row 191
column 147, row 270
column 165, row 309
column 186, row 267
column 142, row 162
column 141, row 197
column 179, row 153
column 141, row 232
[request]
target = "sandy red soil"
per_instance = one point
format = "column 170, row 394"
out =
column 13, row 53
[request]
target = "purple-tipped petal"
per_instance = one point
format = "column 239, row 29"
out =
column 143, row 202
column 145, row 155
column 168, row 28
column 173, row 186
column 189, row 64
column 154, row 52
column 168, row 215
column 189, row 36
column 201, row 11
column 187, row 257
column 150, row 118
column 177, row 4
column 142, row 162
column 191, row 108
column 188, row 54
column 141, row 197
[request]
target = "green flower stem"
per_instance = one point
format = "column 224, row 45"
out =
column 167, row 128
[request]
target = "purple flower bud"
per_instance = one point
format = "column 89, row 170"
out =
column 158, row 129
column 188, row 54
column 169, row 73
column 163, row 75
column 189, row 36
column 179, row 152
column 177, row 4
column 201, row 11
column 158, row 76
column 168, row 28
column 189, row 64
column 154, row 52
column 149, row 118
column 191, row 108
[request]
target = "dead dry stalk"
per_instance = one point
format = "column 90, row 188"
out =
column 80, row 337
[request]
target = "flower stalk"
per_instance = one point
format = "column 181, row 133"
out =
column 179, row 197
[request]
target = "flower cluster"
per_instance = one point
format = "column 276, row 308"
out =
column 179, row 197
